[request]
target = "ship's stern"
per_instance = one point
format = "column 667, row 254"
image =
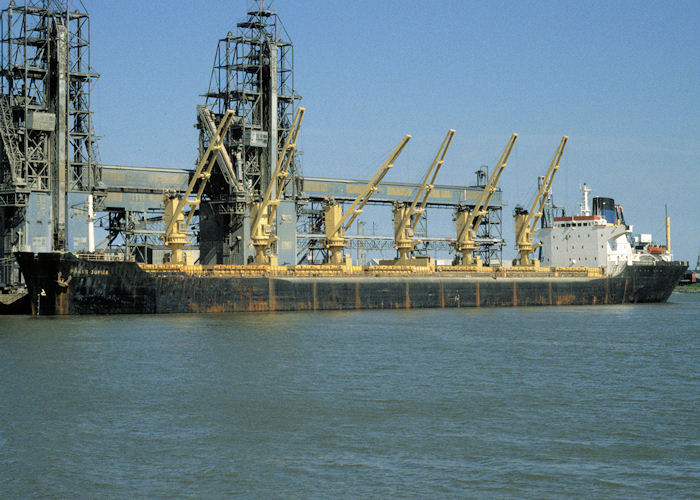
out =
column 654, row 282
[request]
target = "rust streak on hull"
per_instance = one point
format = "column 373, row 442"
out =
column 442, row 294
column 271, row 300
column 99, row 287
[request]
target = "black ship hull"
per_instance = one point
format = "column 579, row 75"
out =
column 61, row 283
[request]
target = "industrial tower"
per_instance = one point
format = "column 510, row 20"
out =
column 253, row 75
column 48, row 160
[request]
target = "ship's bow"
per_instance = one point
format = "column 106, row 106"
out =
column 44, row 275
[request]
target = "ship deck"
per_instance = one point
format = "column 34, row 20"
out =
column 373, row 271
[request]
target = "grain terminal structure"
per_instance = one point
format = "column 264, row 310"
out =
column 54, row 188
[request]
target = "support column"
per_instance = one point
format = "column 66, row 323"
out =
column 273, row 136
column 59, row 157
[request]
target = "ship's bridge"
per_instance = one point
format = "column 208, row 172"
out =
column 579, row 221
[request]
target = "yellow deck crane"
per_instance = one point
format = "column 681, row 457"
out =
column 526, row 222
column 406, row 218
column 175, row 236
column 468, row 221
column 336, row 223
column 262, row 213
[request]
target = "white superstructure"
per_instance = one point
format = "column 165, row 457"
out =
column 592, row 241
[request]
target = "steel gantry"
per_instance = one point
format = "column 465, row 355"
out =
column 253, row 75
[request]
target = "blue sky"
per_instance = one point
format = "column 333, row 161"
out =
column 621, row 79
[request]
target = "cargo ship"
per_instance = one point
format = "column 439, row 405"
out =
column 253, row 206
column 587, row 259
column 63, row 283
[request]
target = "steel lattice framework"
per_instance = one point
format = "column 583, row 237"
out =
column 310, row 228
column 47, row 142
column 45, row 49
column 253, row 74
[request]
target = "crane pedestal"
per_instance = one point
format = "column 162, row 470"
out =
column 403, row 237
column 335, row 241
column 261, row 234
column 176, row 239
column 465, row 243
column 524, row 242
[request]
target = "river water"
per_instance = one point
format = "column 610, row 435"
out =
column 527, row 402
